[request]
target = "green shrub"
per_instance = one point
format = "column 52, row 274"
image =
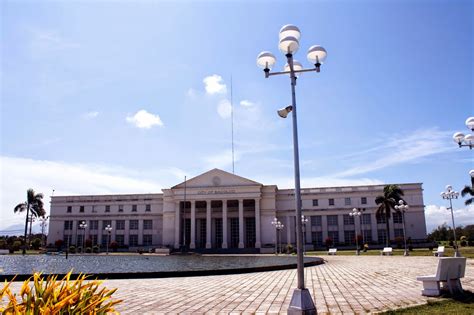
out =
column 88, row 250
column 36, row 244
column 3, row 244
column 95, row 249
column 16, row 245
column 79, row 249
column 49, row 296
column 72, row 249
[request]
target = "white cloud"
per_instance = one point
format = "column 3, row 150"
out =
column 246, row 103
column 144, row 120
column 90, row 115
column 399, row 149
column 19, row 174
column 436, row 215
column 224, row 109
column 214, row 84
column 46, row 41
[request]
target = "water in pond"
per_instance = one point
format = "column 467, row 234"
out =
column 96, row 264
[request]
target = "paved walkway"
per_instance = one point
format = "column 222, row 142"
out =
column 345, row 284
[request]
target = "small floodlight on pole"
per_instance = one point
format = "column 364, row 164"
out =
column 402, row 207
column 450, row 194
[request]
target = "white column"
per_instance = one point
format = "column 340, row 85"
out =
column 176, row 225
column 192, row 245
column 208, row 224
column 224, row 223
column 241, row 223
column 258, row 242
column 374, row 226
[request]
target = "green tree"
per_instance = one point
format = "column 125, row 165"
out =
column 386, row 202
column 468, row 190
column 33, row 204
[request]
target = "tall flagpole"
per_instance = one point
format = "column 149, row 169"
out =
column 232, row 122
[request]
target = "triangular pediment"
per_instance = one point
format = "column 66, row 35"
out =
column 217, row 178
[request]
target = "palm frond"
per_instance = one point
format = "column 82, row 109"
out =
column 20, row 207
column 469, row 201
column 467, row 190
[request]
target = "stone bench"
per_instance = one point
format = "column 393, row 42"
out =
column 4, row 252
column 332, row 251
column 450, row 271
column 439, row 252
column 386, row 251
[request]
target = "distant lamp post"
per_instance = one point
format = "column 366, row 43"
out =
column 301, row 301
column 278, row 227
column 450, row 194
column 108, row 229
column 402, row 207
column 356, row 213
column 304, row 220
column 83, row 226
column 465, row 140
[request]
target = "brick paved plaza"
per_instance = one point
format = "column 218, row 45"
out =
column 345, row 284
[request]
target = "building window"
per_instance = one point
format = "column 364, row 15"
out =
column 105, row 223
column 69, row 209
column 134, row 208
column 349, row 237
column 331, row 201
column 367, row 235
column 317, row 238
column 315, row 203
column 120, row 208
column 397, row 217
column 334, row 236
column 133, row 240
column 93, row 239
column 363, row 200
column 315, row 220
column 381, row 219
column 67, row 239
column 382, row 236
column 120, row 239
column 93, row 224
column 147, row 240
column 398, row 232
column 120, row 224
column 133, row 224
column 107, row 208
column 148, row 208
column 348, row 219
column 148, row 224
column 93, row 209
column 332, row 220
column 68, row 225
column 105, row 239
column 81, row 209
column 347, row 201
column 366, row 219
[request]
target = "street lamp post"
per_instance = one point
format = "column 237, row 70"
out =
column 465, row 140
column 108, row 229
column 278, row 227
column 301, row 301
column 450, row 194
column 304, row 220
column 83, row 226
column 356, row 213
column 402, row 207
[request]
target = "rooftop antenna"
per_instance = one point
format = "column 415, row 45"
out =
column 232, row 122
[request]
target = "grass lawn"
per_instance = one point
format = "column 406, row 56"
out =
column 463, row 304
column 449, row 252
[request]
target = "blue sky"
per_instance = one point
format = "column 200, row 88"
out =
column 124, row 97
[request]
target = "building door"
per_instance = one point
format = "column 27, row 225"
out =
column 218, row 233
column 234, row 232
column 249, row 232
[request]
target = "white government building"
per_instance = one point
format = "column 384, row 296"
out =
column 225, row 211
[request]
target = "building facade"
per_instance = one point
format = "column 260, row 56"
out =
column 220, row 210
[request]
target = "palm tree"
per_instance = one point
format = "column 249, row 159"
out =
column 391, row 195
column 33, row 203
column 468, row 191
